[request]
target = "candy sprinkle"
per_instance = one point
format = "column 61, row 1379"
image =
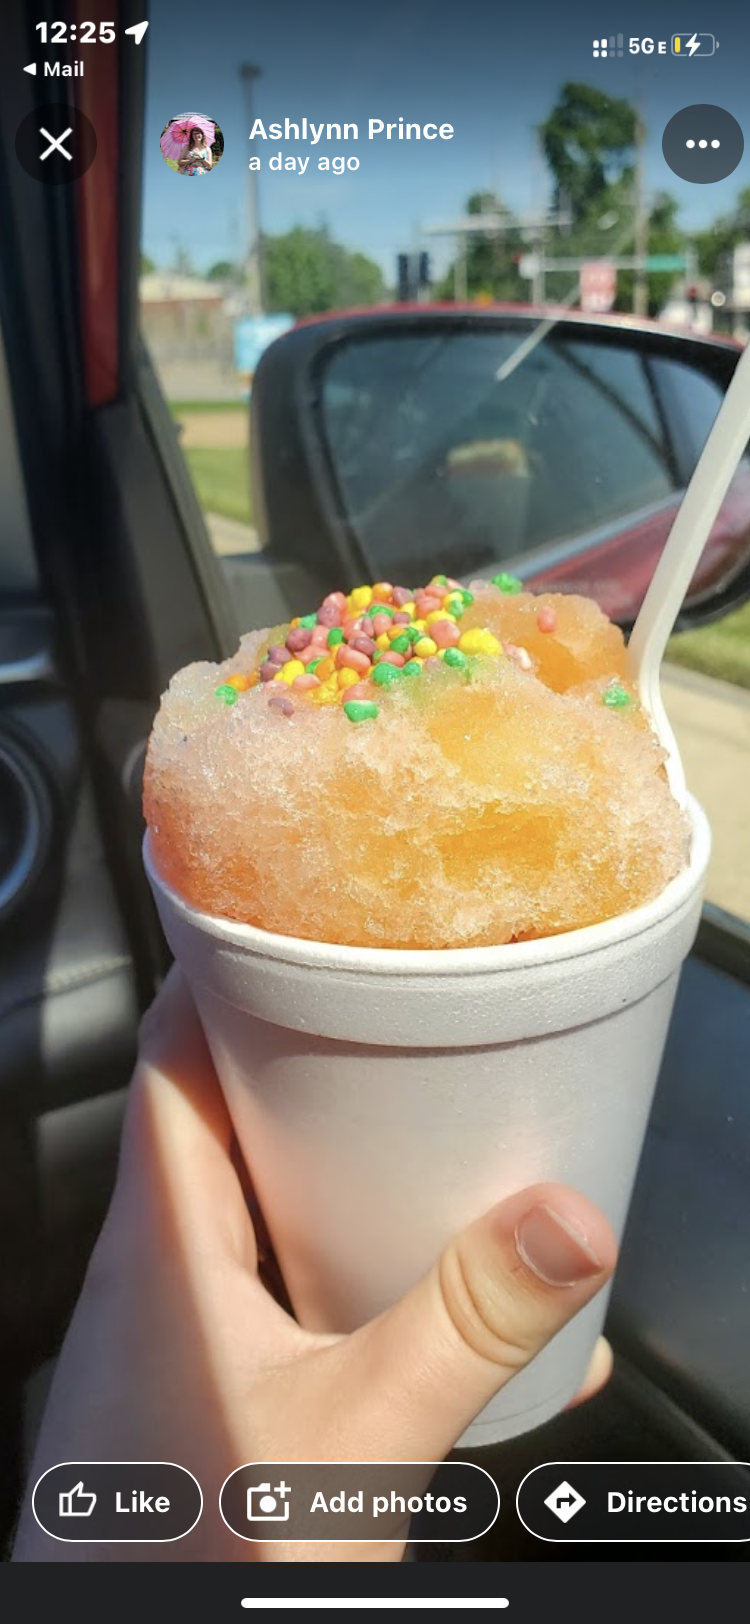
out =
column 616, row 697
column 507, row 583
column 364, row 642
column 360, row 710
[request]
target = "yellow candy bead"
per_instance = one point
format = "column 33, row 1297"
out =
column 439, row 614
column 325, row 670
column 361, row 597
column 383, row 642
column 296, row 620
column 325, row 695
column 346, row 678
column 288, row 672
column 478, row 642
column 419, row 625
column 239, row 682
column 425, row 647
column 409, row 609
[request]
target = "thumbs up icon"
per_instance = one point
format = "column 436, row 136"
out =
column 75, row 1503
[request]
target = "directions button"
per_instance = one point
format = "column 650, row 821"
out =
column 56, row 144
column 117, row 1502
column 637, row 1501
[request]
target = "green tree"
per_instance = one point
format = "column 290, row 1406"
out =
column 222, row 271
column 148, row 266
column 714, row 246
column 589, row 142
column 306, row 271
column 491, row 256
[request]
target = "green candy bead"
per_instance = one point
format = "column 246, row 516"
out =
column 412, row 634
column 507, row 583
column 335, row 636
column 313, row 666
column 385, row 675
column 616, row 698
column 226, row 692
column 411, row 669
column 439, row 580
column 401, row 645
column 360, row 710
column 454, row 657
column 308, row 621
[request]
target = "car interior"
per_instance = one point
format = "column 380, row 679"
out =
column 109, row 583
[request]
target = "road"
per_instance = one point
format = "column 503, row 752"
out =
column 711, row 722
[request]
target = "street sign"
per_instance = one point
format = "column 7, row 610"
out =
column 598, row 286
column 253, row 334
column 665, row 262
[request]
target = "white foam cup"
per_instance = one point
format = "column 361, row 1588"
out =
column 383, row 1099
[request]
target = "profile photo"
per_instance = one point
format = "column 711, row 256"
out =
column 191, row 144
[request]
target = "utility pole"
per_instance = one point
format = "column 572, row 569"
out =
column 460, row 280
column 254, row 265
column 640, row 281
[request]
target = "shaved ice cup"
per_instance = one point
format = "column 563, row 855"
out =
column 384, row 1099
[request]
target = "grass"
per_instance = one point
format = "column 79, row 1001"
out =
column 222, row 482
column 178, row 408
column 721, row 650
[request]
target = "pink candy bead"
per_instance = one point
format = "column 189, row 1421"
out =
column 402, row 595
column 364, row 644
column 444, row 633
column 298, row 638
column 329, row 614
column 392, row 658
column 358, row 690
column 309, row 680
column 336, row 600
column 546, row 619
column 381, row 623
column 401, row 620
column 310, row 653
column 319, row 636
column 352, row 627
column 352, row 658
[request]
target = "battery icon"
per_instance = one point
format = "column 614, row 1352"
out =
column 693, row 44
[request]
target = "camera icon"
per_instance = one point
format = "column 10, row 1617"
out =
column 263, row 1502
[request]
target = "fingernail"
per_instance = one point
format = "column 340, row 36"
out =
column 553, row 1249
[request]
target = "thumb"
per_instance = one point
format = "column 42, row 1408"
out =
column 499, row 1292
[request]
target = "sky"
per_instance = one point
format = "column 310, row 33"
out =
column 490, row 70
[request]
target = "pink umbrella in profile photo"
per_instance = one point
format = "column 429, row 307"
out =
column 177, row 134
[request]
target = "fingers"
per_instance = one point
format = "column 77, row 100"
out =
column 176, row 1162
column 498, row 1294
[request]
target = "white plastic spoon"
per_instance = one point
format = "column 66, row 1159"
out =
column 699, row 509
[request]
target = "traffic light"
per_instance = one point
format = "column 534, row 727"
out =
column 413, row 277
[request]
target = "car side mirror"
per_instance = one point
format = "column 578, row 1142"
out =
column 556, row 447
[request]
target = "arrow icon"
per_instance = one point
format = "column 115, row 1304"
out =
column 138, row 30
column 66, row 1506
column 30, row 68
column 565, row 1501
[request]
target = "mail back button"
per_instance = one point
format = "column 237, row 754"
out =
column 117, row 1502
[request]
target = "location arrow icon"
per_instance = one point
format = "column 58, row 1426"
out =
column 138, row 30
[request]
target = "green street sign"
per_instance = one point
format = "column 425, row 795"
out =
column 665, row 262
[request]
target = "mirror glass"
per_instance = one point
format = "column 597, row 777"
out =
column 548, row 450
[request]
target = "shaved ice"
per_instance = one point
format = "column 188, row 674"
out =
column 437, row 769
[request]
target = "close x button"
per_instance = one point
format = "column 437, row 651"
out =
column 117, row 1502
column 629, row 1502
